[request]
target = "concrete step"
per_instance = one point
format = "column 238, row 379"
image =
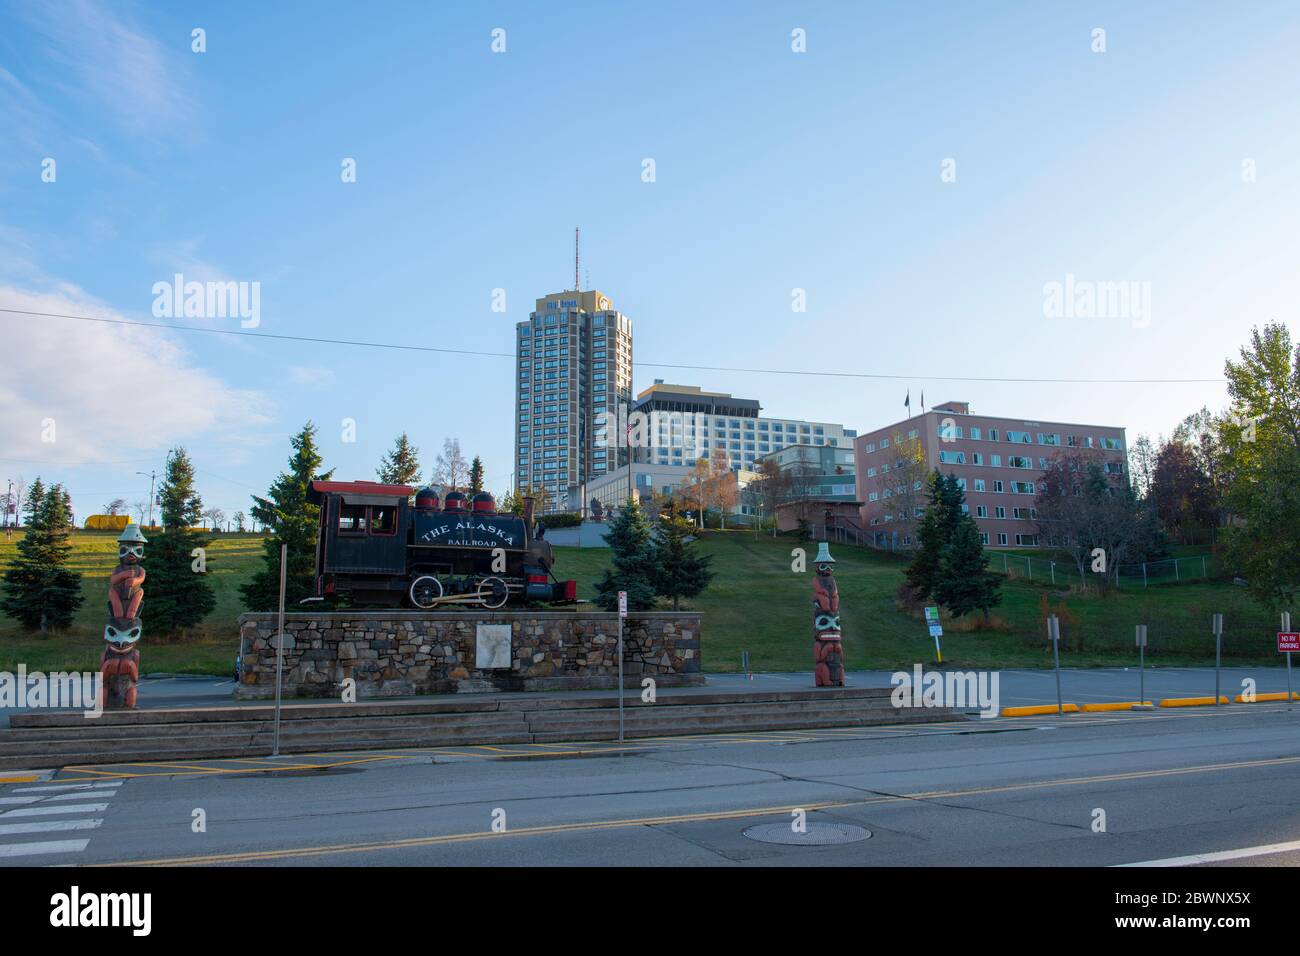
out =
column 146, row 736
column 724, row 726
column 95, row 731
column 640, row 711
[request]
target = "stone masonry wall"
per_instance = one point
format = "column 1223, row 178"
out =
column 393, row 654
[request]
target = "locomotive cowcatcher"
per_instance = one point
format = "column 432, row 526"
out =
column 379, row 549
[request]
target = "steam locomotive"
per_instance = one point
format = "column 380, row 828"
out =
column 377, row 548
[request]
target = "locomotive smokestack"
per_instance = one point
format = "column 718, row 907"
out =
column 529, row 503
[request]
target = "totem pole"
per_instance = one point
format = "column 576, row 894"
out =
column 828, row 649
column 120, row 662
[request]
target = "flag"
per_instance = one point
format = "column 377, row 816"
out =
column 907, row 402
column 922, row 399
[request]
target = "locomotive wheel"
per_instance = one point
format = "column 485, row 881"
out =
column 425, row 591
column 493, row 592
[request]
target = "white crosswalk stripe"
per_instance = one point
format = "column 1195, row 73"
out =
column 35, row 849
column 28, row 813
column 49, row 826
column 50, row 788
column 49, row 811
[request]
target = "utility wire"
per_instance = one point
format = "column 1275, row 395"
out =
column 396, row 346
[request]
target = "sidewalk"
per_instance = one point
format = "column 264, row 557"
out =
column 1017, row 687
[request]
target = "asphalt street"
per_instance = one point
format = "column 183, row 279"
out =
column 1172, row 785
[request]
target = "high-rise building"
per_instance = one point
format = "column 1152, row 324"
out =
column 680, row 424
column 999, row 463
column 574, row 374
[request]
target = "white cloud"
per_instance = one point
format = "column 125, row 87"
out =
column 111, row 390
column 102, row 57
column 311, row 375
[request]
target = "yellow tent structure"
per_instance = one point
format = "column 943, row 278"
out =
column 107, row 522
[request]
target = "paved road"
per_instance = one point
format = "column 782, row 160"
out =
column 1005, row 791
column 1017, row 687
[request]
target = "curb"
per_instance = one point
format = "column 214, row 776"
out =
column 1261, row 698
column 1192, row 701
column 1037, row 710
column 1121, row 705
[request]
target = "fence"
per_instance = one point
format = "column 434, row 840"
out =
column 1168, row 570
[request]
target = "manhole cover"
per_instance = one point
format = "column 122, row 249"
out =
column 816, row 834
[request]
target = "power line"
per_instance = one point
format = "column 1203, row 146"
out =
column 397, row 346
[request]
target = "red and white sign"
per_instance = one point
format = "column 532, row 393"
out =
column 622, row 605
column 1288, row 641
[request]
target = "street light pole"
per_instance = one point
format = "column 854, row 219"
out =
column 151, row 476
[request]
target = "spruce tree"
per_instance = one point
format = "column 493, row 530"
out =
column 933, row 533
column 35, row 495
column 476, row 475
column 678, row 570
column 401, row 466
column 291, row 520
column 176, row 595
column 40, row 591
column 965, row 583
column 629, row 538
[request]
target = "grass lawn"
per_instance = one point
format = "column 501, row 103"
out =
column 756, row 603
column 209, row 649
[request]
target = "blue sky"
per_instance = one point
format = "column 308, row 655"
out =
column 775, row 170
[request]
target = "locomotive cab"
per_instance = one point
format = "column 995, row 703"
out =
column 362, row 544
column 378, row 548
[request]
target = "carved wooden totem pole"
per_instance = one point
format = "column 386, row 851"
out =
column 120, row 662
column 828, row 648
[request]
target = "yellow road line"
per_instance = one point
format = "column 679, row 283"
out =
column 591, row 825
column 19, row 779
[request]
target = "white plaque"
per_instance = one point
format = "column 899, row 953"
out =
column 492, row 647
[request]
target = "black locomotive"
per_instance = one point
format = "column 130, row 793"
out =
column 379, row 549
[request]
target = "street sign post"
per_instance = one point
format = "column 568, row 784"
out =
column 1218, row 653
column 1142, row 669
column 279, row 651
column 936, row 631
column 1288, row 642
column 1054, row 635
column 622, row 615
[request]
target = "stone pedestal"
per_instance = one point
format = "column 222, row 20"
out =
column 393, row 654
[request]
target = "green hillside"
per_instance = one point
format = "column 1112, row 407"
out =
column 757, row 604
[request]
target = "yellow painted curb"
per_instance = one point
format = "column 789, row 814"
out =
column 19, row 779
column 1037, row 710
column 1281, row 695
column 1191, row 701
column 1122, row 705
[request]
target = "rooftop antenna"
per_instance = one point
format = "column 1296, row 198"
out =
column 576, row 258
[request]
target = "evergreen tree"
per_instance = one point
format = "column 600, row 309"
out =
column 291, row 520
column 476, row 475
column 176, row 595
column 678, row 570
column 40, row 591
column 629, row 537
column 35, row 495
column 401, row 466
column 933, row 533
column 965, row 583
